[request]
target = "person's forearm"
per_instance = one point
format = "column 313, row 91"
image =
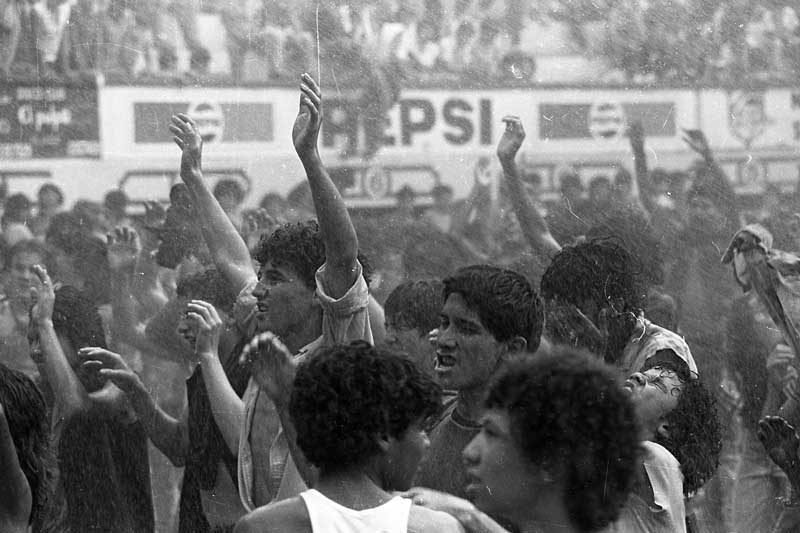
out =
column 13, row 489
column 226, row 406
column 643, row 183
column 308, row 471
column 169, row 435
column 123, row 305
column 70, row 396
column 227, row 247
column 338, row 233
column 531, row 222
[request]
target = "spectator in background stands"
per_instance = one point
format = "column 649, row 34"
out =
column 10, row 29
column 51, row 201
column 457, row 47
column 153, row 14
column 489, row 50
column 16, row 217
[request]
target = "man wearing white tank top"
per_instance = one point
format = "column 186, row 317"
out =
column 359, row 414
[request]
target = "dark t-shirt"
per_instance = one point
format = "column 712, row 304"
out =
column 443, row 467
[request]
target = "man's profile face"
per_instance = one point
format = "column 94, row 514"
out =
column 284, row 301
column 467, row 353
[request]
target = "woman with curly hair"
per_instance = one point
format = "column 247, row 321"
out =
column 26, row 461
column 359, row 414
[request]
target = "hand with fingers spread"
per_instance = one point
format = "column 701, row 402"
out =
column 511, row 141
column 209, row 327
column 697, row 141
column 44, row 298
column 273, row 367
column 309, row 118
column 187, row 137
column 258, row 221
column 111, row 367
column 124, row 248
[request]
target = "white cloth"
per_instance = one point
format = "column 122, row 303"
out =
column 329, row 517
column 659, row 507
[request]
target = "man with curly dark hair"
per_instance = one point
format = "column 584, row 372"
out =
column 310, row 290
column 681, row 441
column 359, row 413
column 488, row 313
column 26, row 459
column 557, row 450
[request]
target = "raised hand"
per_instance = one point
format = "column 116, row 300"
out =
column 257, row 221
column 566, row 324
column 696, row 140
column 512, row 138
column 187, row 137
column 273, row 367
column 309, row 118
column 124, row 248
column 111, row 367
column 209, row 327
column 154, row 214
column 44, row 298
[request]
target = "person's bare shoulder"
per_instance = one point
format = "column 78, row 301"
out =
column 424, row 520
column 288, row 516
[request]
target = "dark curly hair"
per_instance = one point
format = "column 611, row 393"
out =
column 570, row 410
column 695, row 436
column 300, row 247
column 208, row 285
column 345, row 395
column 415, row 304
column 505, row 301
column 26, row 413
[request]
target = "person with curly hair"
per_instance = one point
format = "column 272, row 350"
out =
column 359, row 413
column 26, row 458
column 488, row 313
column 101, row 446
column 681, row 441
column 558, row 448
column 310, row 289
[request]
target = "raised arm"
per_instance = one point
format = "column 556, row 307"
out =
column 719, row 183
column 15, row 492
column 643, row 184
column 226, row 406
column 227, row 247
column 169, row 435
column 338, row 233
column 533, row 225
column 70, row 395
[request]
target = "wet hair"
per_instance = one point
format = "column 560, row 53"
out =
column 695, row 435
column 271, row 198
column 116, row 200
column 77, row 318
column 345, row 396
column 53, row 188
column 632, row 230
column 569, row 412
column 416, row 304
column 596, row 270
column 229, row 188
column 180, row 235
column 210, row 286
column 26, row 413
column 17, row 208
column 299, row 247
column 505, row 301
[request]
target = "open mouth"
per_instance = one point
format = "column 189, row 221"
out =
column 262, row 308
column 445, row 361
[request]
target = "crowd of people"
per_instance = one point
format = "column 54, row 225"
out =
column 478, row 366
column 439, row 41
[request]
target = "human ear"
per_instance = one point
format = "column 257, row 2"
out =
column 663, row 429
column 517, row 344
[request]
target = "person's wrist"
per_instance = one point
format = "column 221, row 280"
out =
column 44, row 322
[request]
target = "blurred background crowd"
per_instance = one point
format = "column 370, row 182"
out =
column 435, row 41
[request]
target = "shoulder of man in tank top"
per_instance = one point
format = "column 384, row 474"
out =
column 286, row 516
column 423, row 520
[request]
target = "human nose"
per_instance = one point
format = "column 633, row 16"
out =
column 471, row 454
column 445, row 338
column 260, row 290
column 638, row 379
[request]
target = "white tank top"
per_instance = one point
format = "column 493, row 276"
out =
column 327, row 516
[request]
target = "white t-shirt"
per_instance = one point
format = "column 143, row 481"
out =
column 328, row 516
